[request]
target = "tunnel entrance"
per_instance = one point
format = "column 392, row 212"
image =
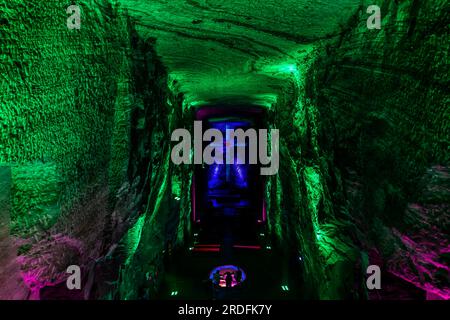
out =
column 228, row 199
column 228, row 241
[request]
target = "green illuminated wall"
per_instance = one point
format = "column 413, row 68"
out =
column 58, row 98
column 383, row 122
column 368, row 115
column 86, row 117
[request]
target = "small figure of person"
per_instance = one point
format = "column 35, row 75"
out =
column 228, row 279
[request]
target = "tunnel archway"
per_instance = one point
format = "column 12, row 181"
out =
column 228, row 200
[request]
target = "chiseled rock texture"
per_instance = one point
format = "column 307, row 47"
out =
column 383, row 105
column 83, row 121
column 58, row 102
column 86, row 117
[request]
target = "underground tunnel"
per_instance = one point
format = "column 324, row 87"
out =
column 228, row 194
column 352, row 119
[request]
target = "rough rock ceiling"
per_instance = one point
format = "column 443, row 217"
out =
column 236, row 49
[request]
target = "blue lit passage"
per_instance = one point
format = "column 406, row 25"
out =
column 225, row 181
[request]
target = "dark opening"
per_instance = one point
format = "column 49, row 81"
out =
column 229, row 197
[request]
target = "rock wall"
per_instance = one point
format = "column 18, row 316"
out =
column 307, row 227
column 364, row 119
column 58, row 99
column 84, row 127
column 150, row 169
column 383, row 110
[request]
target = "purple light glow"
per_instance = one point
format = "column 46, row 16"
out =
column 223, row 271
column 36, row 274
column 423, row 264
column 237, row 246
